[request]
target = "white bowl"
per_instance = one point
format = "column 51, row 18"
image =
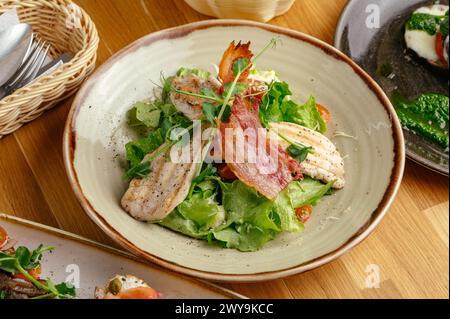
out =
column 96, row 132
column 259, row 10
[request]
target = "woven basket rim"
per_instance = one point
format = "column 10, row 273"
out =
column 93, row 41
column 31, row 101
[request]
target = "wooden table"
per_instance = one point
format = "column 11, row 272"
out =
column 410, row 246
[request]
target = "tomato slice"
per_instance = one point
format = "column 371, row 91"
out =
column 324, row 113
column 440, row 48
column 3, row 237
column 136, row 293
column 304, row 213
column 35, row 273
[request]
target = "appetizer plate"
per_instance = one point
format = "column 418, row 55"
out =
column 373, row 143
column 375, row 45
column 96, row 263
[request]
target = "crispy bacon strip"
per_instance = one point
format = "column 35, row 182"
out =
column 233, row 53
column 265, row 166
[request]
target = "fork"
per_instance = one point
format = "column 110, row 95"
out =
column 33, row 62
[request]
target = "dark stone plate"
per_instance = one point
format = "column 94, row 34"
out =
column 372, row 45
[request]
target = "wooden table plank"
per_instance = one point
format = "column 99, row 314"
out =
column 410, row 247
column 18, row 188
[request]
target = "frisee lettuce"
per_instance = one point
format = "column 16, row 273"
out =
column 277, row 106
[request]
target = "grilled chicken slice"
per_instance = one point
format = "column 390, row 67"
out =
column 191, row 106
column 325, row 164
column 157, row 195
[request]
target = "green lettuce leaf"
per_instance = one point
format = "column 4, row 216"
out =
column 306, row 115
column 277, row 106
column 176, row 222
column 204, row 212
column 248, row 220
column 245, row 205
column 272, row 104
column 244, row 237
column 137, row 150
column 307, row 192
column 144, row 114
column 288, row 219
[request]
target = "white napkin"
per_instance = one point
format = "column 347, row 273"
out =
column 10, row 18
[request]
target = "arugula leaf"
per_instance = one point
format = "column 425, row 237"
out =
column 8, row 263
column 137, row 150
column 167, row 89
column 298, row 152
column 208, row 171
column 66, row 289
column 3, row 295
column 140, row 170
column 36, row 256
column 239, row 88
column 23, row 256
column 211, row 94
column 30, row 260
column 239, row 65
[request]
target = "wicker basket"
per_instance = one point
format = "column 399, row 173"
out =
column 68, row 29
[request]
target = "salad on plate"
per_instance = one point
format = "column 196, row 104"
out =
column 21, row 278
column 231, row 159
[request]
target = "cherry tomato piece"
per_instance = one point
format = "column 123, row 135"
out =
column 324, row 113
column 304, row 213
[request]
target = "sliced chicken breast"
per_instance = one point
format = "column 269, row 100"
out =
column 325, row 163
column 157, row 195
column 191, row 106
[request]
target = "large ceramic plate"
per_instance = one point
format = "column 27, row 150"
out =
column 96, row 131
column 376, row 45
column 96, row 263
